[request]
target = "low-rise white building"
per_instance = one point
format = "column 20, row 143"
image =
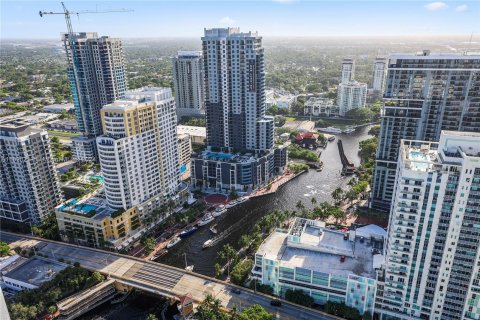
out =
column 198, row 135
column 328, row 265
column 320, row 107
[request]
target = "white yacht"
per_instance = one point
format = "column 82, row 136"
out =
column 219, row 211
column 205, row 220
column 242, row 199
column 331, row 130
column 232, row 204
column 173, row 242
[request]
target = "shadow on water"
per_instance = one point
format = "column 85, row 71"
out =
column 242, row 218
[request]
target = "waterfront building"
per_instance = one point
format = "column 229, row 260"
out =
column 138, row 158
column 185, row 155
column 188, row 80
column 237, row 127
column 198, row 135
column 432, row 262
column 325, row 264
column 379, row 74
column 320, row 107
column 96, row 71
column 424, row 94
column 351, row 95
column 348, row 70
column 29, row 188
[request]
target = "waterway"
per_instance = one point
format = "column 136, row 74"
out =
column 241, row 219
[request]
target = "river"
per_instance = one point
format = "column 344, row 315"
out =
column 241, row 219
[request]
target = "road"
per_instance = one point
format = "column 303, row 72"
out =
column 158, row 278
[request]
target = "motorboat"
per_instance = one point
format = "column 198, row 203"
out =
column 173, row 242
column 161, row 253
column 213, row 229
column 219, row 211
column 349, row 130
column 207, row 244
column 205, row 220
column 189, row 231
column 189, row 268
column 330, row 130
column 232, row 204
column 242, row 199
column 332, row 138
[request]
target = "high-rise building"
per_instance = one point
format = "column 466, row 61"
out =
column 379, row 73
column 424, row 94
column 96, row 71
column 138, row 151
column 235, row 113
column 432, row 263
column 29, row 188
column 348, row 70
column 188, row 80
column 351, row 95
column 235, row 89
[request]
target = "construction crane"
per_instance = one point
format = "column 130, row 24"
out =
column 71, row 41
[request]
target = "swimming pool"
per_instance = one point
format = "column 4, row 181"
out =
column 85, row 208
column 99, row 178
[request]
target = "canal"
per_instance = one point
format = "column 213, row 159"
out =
column 241, row 219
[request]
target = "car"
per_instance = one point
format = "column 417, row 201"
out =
column 276, row 303
column 236, row 290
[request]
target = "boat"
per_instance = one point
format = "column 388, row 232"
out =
column 189, row 268
column 332, row 138
column 219, row 211
column 242, row 199
column 330, row 130
column 205, row 220
column 173, row 242
column 189, row 231
column 213, row 229
column 161, row 253
column 349, row 130
column 207, row 244
column 231, row 204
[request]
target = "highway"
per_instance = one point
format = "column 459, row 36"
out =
column 160, row 279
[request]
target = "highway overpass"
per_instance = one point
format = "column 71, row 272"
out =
column 158, row 278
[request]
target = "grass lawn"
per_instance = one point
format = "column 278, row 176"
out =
column 290, row 118
column 62, row 134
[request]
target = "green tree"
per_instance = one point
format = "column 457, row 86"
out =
column 337, row 195
column 228, row 256
column 241, row 271
column 210, row 309
column 255, row 312
column 151, row 316
column 149, row 244
column 299, row 297
column 4, row 249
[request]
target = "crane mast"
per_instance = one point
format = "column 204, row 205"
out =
column 71, row 43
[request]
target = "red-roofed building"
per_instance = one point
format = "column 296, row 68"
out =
column 186, row 305
column 307, row 139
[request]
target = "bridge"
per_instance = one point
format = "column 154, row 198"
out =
column 160, row 279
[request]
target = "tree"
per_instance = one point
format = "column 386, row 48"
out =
column 4, row 249
column 299, row 297
column 342, row 310
column 255, row 312
column 228, row 255
column 151, row 316
column 209, row 309
column 149, row 244
column 337, row 195
column 313, row 200
column 241, row 271
column 374, row 131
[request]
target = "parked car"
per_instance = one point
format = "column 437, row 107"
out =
column 276, row 303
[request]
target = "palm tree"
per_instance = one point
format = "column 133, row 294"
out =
column 337, row 195
column 313, row 200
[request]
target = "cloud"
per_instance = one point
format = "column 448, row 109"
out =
column 227, row 20
column 435, row 6
column 461, row 8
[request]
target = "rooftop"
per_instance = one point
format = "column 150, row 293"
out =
column 92, row 206
column 227, row 157
column 308, row 244
column 192, row 130
column 36, row 271
column 427, row 55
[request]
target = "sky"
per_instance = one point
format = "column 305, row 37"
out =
column 282, row 18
